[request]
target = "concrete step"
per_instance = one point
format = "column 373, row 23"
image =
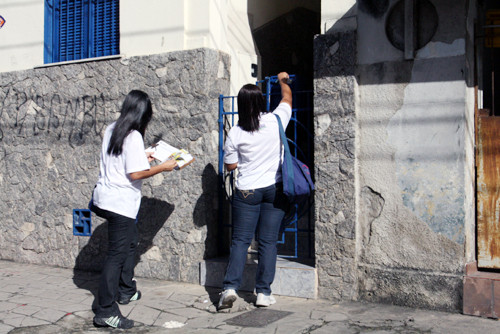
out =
column 295, row 278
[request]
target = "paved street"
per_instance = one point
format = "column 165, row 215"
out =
column 42, row 299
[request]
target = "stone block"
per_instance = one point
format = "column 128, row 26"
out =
column 470, row 268
column 496, row 299
column 477, row 297
column 144, row 314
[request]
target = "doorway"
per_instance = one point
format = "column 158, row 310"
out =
column 283, row 33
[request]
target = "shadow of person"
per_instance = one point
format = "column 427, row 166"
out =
column 152, row 215
column 90, row 260
column 205, row 214
column 205, row 211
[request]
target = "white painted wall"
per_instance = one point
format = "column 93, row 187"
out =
column 242, row 49
column 151, row 27
column 338, row 15
column 22, row 35
column 146, row 27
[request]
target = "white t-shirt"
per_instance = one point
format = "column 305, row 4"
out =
column 258, row 153
column 115, row 191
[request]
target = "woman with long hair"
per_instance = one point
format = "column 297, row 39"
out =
column 117, row 197
column 258, row 206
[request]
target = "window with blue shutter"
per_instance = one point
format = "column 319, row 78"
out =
column 79, row 29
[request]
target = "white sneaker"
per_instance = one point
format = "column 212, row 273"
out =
column 263, row 300
column 227, row 298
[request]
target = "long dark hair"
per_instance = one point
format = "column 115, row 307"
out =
column 251, row 103
column 135, row 114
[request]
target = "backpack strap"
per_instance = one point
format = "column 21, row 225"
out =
column 287, row 175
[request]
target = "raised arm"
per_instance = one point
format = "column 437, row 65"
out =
column 286, row 92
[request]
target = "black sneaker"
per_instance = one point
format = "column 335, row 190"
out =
column 125, row 300
column 117, row 321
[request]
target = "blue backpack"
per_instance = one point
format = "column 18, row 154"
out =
column 297, row 182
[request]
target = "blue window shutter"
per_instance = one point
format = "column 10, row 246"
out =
column 48, row 45
column 104, row 28
column 73, row 29
column 78, row 29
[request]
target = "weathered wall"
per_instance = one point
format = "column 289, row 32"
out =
column 51, row 125
column 394, row 214
column 412, row 144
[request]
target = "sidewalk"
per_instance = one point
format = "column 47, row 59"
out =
column 41, row 299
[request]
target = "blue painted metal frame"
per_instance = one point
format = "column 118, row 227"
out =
column 82, row 222
column 226, row 180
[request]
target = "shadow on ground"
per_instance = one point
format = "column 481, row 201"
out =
column 152, row 216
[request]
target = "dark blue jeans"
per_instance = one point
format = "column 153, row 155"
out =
column 118, row 270
column 255, row 212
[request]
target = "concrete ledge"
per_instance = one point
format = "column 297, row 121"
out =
column 411, row 288
column 295, row 279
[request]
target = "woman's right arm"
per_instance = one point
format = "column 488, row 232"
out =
column 286, row 92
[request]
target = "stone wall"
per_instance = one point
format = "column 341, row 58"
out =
column 52, row 120
column 334, row 153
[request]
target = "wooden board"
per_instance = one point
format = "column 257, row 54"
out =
column 488, row 191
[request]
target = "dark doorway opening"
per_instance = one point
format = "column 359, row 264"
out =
column 283, row 33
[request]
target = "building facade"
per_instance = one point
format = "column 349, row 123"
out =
column 403, row 102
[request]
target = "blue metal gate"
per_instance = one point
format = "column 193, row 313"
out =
column 297, row 238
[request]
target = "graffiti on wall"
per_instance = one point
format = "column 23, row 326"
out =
column 73, row 119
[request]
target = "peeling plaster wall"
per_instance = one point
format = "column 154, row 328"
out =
column 409, row 181
column 413, row 122
column 427, row 136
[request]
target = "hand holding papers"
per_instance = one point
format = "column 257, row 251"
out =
column 163, row 151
